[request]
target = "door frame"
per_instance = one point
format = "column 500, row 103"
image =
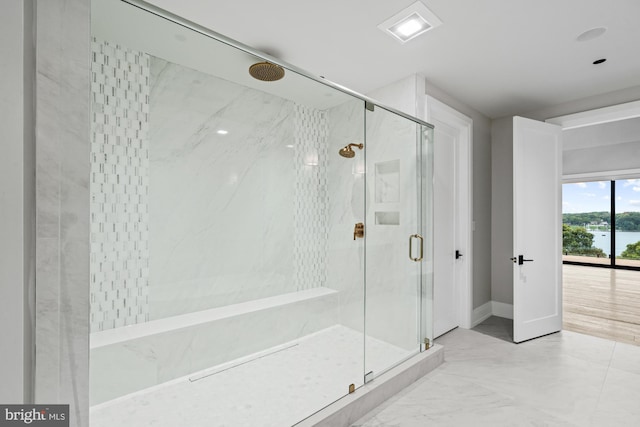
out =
column 438, row 111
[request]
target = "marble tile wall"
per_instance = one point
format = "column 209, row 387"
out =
column 62, row 206
column 119, row 186
column 347, row 202
column 236, row 216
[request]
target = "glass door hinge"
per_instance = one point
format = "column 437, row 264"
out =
column 368, row 377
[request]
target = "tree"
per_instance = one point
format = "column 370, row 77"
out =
column 575, row 238
column 628, row 221
column 578, row 241
column 632, row 251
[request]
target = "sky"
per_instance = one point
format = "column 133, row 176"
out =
column 595, row 196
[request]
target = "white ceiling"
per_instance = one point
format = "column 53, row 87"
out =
column 501, row 57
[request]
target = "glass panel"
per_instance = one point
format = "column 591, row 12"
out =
column 627, row 238
column 222, row 232
column 393, row 280
column 586, row 218
column 425, row 191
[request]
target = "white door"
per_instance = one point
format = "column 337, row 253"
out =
column 445, row 308
column 452, row 218
column 537, row 229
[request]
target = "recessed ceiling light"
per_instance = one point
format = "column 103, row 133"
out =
column 410, row 27
column 409, row 23
column 599, row 61
column 222, row 132
column 591, row 34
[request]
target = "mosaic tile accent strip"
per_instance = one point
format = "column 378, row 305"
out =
column 311, row 197
column 119, row 186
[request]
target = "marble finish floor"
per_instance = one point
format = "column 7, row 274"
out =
column 497, row 327
column 563, row 379
column 277, row 389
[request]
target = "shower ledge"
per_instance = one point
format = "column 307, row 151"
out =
column 182, row 321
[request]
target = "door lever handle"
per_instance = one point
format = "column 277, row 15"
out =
column 458, row 254
column 521, row 260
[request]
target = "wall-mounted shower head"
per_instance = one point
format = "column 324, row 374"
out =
column 266, row 71
column 348, row 151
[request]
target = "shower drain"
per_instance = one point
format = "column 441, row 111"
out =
column 243, row 361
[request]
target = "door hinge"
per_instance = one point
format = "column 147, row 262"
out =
column 368, row 377
column 426, row 344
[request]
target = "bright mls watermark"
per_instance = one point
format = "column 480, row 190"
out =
column 34, row 415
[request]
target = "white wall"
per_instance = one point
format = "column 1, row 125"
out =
column 16, row 201
column 605, row 147
column 591, row 159
column 404, row 95
column 502, row 210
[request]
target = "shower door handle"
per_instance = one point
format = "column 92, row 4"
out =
column 419, row 237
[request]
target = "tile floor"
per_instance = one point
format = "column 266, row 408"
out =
column 563, row 379
column 497, row 327
column 275, row 390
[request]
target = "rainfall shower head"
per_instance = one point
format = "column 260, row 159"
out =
column 266, row 71
column 348, row 151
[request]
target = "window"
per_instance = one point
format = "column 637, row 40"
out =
column 601, row 223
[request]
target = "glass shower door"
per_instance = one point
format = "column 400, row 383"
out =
column 395, row 243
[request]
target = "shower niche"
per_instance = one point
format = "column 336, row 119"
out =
column 224, row 267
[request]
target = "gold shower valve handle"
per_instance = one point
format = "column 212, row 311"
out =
column 358, row 231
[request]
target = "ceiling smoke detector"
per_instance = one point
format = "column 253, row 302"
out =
column 409, row 23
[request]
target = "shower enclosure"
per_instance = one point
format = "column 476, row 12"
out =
column 259, row 249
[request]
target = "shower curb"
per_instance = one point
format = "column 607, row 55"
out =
column 352, row 407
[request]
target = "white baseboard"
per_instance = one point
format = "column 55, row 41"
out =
column 501, row 309
column 491, row 308
column 481, row 314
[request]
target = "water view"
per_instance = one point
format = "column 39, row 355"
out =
column 587, row 220
column 602, row 240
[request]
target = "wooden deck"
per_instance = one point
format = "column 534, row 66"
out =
column 602, row 302
column 602, row 261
